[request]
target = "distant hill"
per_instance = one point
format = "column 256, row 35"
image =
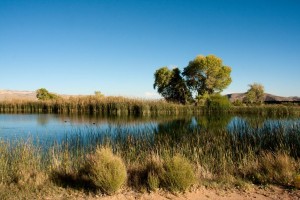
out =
column 268, row 97
column 14, row 94
column 24, row 95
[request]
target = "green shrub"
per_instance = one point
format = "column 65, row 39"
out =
column 238, row 103
column 217, row 101
column 178, row 174
column 106, row 170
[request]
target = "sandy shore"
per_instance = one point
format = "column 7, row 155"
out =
column 202, row 193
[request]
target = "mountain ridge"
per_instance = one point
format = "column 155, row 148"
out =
column 267, row 97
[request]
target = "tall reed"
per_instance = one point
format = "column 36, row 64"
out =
column 99, row 105
column 136, row 107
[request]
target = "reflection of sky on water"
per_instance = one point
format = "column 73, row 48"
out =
column 56, row 127
column 243, row 124
column 50, row 127
column 15, row 126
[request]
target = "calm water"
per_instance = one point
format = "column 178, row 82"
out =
column 54, row 127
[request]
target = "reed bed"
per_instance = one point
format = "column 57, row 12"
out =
column 261, row 155
column 267, row 110
column 97, row 105
column 117, row 106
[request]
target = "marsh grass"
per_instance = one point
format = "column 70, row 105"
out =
column 121, row 106
column 267, row 110
column 98, row 105
column 20, row 163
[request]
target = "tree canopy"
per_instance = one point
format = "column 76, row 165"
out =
column 171, row 85
column 203, row 76
column 207, row 74
column 255, row 94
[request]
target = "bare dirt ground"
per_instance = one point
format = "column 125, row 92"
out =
column 202, row 193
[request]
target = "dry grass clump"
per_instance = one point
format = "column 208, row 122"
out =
column 178, row 174
column 106, row 170
column 25, row 165
column 146, row 175
column 64, row 167
column 20, row 163
column 175, row 174
column 277, row 168
column 155, row 170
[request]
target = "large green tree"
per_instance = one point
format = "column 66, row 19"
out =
column 171, row 85
column 207, row 75
column 202, row 77
column 255, row 94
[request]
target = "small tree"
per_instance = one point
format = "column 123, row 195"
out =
column 98, row 94
column 43, row 94
column 255, row 94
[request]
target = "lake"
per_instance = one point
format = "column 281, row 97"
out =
column 220, row 142
column 56, row 127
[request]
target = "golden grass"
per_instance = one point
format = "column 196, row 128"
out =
column 268, row 167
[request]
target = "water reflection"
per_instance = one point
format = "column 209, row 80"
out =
column 43, row 119
column 55, row 127
column 213, row 122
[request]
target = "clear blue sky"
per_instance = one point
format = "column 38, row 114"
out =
column 77, row 47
